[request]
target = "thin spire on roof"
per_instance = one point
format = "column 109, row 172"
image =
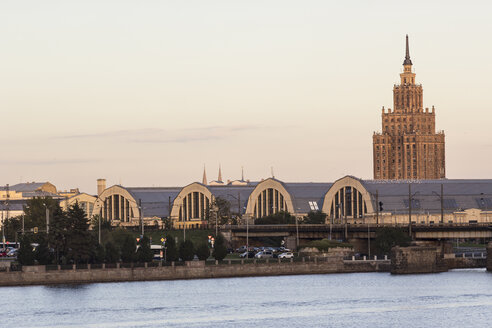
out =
column 204, row 179
column 407, row 61
column 219, row 179
column 242, row 173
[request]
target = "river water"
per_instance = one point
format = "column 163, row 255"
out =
column 459, row 298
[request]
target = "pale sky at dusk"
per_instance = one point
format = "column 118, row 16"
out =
column 147, row 92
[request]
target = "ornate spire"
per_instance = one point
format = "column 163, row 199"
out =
column 407, row 61
column 204, row 179
column 220, row 175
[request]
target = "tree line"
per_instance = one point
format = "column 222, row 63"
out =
column 70, row 241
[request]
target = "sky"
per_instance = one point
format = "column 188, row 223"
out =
column 147, row 93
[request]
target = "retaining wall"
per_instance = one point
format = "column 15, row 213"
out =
column 37, row 275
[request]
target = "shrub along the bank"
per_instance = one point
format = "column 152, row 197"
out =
column 220, row 250
column 186, row 250
column 202, row 252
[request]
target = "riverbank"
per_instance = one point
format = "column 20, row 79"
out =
column 38, row 275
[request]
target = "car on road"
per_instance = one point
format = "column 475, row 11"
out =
column 286, row 255
column 264, row 255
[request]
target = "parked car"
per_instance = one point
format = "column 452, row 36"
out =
column 286, row 255
column 248, row 255
column 13, row 252
column 241, row 249
column 264, row 255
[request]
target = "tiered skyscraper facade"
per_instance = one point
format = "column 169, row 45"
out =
column 408, row 147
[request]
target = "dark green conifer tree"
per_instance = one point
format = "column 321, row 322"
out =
column 220, row 250
column 172, row 251
column 144, row 252
column 186, row 250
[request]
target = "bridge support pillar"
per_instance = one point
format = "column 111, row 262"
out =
column 417, row 259
column 290, row 242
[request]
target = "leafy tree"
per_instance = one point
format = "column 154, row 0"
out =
column 202, row 252
column 167, row 223
column 128, row 250
column 220, row 250
column 221, row 208
column 315, row 217
column 42, row 253
column 100, row 254
column 388, row 237
column 59, row 233
column 80, row 242
column 25, row 256
column 186, row 250
column 172, row 251
column 144, row 252
column 35, row 212
column 111, row 253
column 105, row 224
column 11, row 226
column 277, row 218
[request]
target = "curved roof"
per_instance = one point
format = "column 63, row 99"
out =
column 458, row 194
column 303, row 193
column 155, row 200
column 233, row 194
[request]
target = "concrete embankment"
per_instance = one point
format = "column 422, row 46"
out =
column 37, row 275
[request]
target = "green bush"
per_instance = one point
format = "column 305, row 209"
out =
column 25, row 256
column 171, row 250
column 220, row 250
column 128, row 250
column 388, row 237
column 186, row 251
column 111, row 253
column 42, row 253
column 144, row 252
column 202, row 252
column 277, row 218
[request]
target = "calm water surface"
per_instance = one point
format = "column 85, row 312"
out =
column 460, row 298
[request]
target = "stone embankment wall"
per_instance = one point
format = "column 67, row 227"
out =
column 37, row 275
column 416, row 259
column 489, row 257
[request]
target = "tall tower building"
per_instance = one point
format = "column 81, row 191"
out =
column 408, row 146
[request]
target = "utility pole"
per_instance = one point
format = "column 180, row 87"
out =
column 377, row 207
column 99, row 230
column 442, row 203
column 410, row 210
column 239, row 204
column 169, row 207
column 47, row 219
column 141, row 214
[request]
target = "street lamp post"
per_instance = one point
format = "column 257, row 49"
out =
column 441, row 198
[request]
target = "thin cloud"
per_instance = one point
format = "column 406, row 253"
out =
column 47, row 162
column 167, row 136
